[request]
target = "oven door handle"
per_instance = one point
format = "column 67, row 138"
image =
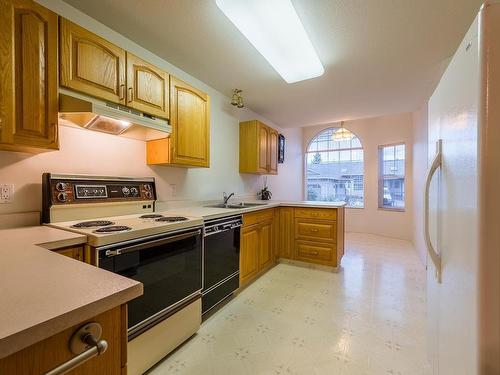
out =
column 147, row 245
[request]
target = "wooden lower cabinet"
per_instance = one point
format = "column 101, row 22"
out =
column 256, row 244
column 249, row 248
column 266, row 244
column 312, row 235
column 285, row 233
column 72, row 252
column 53, row 351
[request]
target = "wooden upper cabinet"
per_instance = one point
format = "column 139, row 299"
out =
column 147, row 87
column 273, row 151
column 263, row 149
column 91, row 64
column 28, row 77
column 190, row 120
column 258, row 148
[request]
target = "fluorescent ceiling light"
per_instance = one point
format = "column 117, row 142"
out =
column 275, row 30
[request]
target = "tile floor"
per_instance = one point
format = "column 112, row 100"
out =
column 367, row 319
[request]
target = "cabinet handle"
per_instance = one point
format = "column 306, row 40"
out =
column 121, row 92
column 130, row 94
column 314, row 229
column 87, row 343
column 314, row 253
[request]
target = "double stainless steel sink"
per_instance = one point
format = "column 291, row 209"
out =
column 237, row 206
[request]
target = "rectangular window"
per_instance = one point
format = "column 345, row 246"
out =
column 391, row 193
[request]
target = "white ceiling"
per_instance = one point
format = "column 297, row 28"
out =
column 380, row 56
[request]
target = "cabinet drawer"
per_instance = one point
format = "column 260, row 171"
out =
column 257, row 217
column 308, row 251
column 316, row 213
column 315, row 230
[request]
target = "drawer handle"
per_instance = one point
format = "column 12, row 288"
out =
column 86, row 343
column 314, row 229
column 314, row 214
column 314, row 252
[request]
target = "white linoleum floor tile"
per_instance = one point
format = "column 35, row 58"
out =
column 367, row 319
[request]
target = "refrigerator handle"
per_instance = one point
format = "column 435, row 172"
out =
column 436, row 163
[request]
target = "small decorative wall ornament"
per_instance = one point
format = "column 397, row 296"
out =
column 237, row 99
column 265, row 194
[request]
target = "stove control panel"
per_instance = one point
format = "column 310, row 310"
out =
column 73, row 191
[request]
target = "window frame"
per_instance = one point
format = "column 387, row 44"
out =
column 306, row 152
column 380, row 193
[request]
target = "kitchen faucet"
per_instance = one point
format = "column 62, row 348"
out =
column 226, row 197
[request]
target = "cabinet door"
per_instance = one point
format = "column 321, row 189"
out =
column 263, row 148
column 147, row 87
column 266, row 245
column 190, row 120
column 51, row 352
column 273, row 151
column 91, row 64
column 72, row 252
column 28, row 76
column 249, row 253
column 286, row 233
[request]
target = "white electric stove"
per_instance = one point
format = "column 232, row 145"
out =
column 125, row 235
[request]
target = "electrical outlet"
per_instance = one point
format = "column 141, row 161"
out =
column 6, row 193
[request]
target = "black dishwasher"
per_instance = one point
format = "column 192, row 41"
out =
column 221, row 261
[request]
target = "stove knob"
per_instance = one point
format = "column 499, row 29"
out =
column 125, row 190
column 62, row 197
column 61, row 186
column 134, row 191
column 148, row 194
column 147, row 187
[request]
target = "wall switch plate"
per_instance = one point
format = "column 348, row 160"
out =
column 6, row 193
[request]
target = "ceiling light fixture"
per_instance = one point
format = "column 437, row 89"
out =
column 274, row 29
column 237, row 99
column 342, row 134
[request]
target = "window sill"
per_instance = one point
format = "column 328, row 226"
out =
column 392, row 209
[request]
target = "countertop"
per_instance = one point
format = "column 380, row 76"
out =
column 207, row 213
column 43, row 293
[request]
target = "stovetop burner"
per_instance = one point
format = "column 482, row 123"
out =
column 172, row 218
column 113, row 229
column 150, row 216
column 93, row 223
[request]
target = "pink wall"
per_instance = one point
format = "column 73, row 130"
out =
column 374, row 132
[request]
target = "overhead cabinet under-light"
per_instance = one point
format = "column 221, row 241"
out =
column 275, row 30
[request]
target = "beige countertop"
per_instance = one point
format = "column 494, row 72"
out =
column 207, row 213
column 43, row 293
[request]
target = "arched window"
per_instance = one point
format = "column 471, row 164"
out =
column 335, row 168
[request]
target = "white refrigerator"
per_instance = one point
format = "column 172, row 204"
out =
column 462, row 206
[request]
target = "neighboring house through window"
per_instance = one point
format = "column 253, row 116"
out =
column 391, row 193
column 335, row 168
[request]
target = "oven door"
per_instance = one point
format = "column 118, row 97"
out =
column 169, row 267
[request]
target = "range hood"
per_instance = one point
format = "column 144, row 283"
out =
column 80, row 110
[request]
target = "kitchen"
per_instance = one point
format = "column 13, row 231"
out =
column 193, row 145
